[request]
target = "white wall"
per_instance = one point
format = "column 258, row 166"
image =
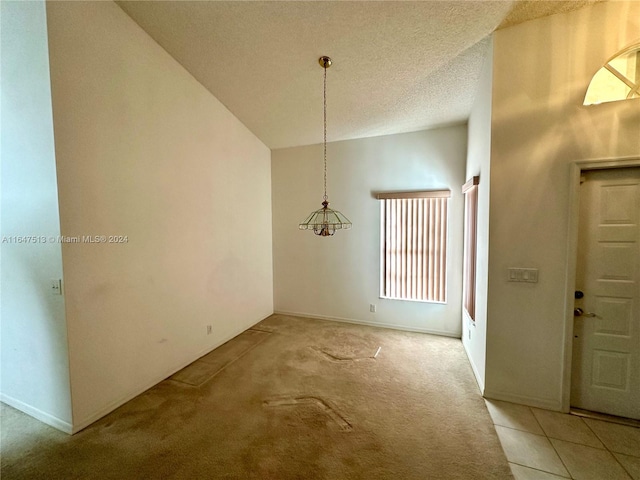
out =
column 144, row 151
column 338, row 277
column 541, row 72
column 474, row 333
column 35, row 375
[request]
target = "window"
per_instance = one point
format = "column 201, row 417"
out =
column 413, row 238
column 618, row 79
column 470, row 190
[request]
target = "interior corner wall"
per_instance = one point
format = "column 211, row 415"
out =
column 542, row 69
column 339, row 277
column 474, row 332
column 34, row 358
column 181, row 192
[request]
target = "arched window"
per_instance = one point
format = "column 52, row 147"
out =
column 618, row 79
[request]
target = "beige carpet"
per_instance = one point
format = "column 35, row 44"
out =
column 291, row 398
column 206, row 367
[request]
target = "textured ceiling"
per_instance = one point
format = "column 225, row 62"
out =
column 398, row 66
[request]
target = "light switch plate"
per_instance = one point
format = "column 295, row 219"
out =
column 526, row 275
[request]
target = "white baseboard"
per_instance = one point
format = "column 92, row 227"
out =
column 544, row 403
column 391, row 326
column 36, row 413
column 476, row 374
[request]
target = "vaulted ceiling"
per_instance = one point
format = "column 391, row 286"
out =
column 398, row 66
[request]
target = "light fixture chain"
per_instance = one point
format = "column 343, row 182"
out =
column 325, row 222
column 324, row 95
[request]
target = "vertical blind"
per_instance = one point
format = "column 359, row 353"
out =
column 414, row 246
column 470, row 191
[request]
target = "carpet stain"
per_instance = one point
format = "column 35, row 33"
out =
column 330, row 411
column 211, row 364
column 345, row 358
column 264, row 329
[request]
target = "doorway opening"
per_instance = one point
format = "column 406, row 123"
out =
column 602, row 334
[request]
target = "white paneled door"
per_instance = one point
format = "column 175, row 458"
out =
column 606, row 348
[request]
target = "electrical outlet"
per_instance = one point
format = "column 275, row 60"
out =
column 56, row 286
column 209, row 329
column 372, row 308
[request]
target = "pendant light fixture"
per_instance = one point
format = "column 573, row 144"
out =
column 325, row 222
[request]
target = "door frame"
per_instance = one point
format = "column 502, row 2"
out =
column 576, row 169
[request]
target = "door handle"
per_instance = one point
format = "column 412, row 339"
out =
column 578, row 312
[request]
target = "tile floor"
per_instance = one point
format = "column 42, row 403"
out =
column 545, row 445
